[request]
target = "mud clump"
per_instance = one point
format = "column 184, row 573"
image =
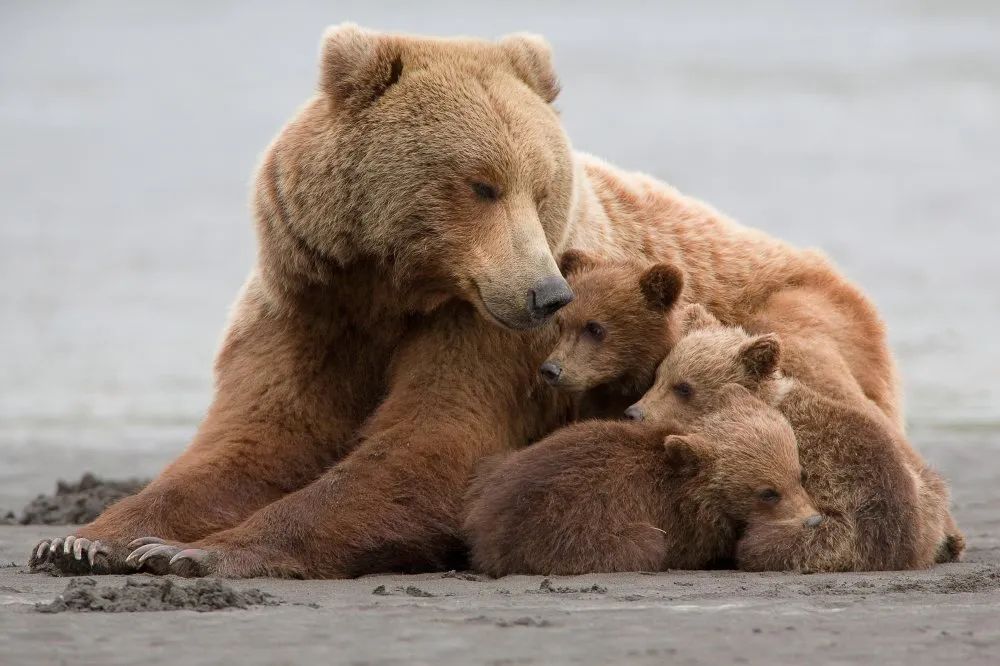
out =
column 409, row 590
column 77, row 503
column 463, row 575
column 84, row 595
column 546, row 587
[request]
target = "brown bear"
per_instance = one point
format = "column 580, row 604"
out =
column 879, row 511
column 391, row 331
column 603, row 496
column 612, row 336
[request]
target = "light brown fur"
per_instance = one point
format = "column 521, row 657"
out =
column 381, row 345
column 603, row 496
column 881, row 511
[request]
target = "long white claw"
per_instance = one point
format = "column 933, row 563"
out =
column 92, row 552
column 144, row 541
column 133, row 558
column 40, row 550
column 157, row 549
column 68, row 544
column 78, row 547
column 55, row 545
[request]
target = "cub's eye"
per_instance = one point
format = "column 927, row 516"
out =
column 595, row 330
column 683, row 390
column 485, row 191
column 769, row 496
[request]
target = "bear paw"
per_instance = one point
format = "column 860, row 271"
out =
column 156, row 556
column 72, row 555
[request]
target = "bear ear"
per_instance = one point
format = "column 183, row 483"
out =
column 661, row 284
column 685, row 454
column 531, row 57
column 575, row 261
column 358, row 66
column 760, row 355
column 696, row 317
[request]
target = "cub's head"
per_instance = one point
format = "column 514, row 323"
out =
column 746, row 453
column 707, row 357
column 441, row 161
column 618, row 328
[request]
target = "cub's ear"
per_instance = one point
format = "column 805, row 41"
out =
column 575, row 261
column 531, row 57
column 760, row 355
column 661, row 284
column 358, row 66
column 696, row 317
column 685, row 454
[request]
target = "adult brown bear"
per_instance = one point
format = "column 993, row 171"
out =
column 391, row 332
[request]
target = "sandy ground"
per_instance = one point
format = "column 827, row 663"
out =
column 943, row 616
column 129, row 132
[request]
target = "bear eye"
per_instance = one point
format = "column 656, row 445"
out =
column 595, row 330
column 769, row 496
column 683, row 390
column 485, row 191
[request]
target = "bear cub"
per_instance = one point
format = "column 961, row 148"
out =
column 612, row 336
column 878, row 512
column 605, row 496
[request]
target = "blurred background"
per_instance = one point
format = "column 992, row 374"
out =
column 129, row 131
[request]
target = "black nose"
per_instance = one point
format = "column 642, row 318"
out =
column 548, row 295
column 634, row 413
column 550, row 371
column 813, row 521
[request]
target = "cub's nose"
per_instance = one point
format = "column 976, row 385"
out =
column 547, row 296
column 550, row 372
column 813, row 521
column 634, row 413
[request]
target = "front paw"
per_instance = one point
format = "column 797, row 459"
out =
column 156, row 556
column 75, row 555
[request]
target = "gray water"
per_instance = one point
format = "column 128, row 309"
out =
column 128, row 135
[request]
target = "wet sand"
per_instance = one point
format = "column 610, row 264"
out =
column 947, row 615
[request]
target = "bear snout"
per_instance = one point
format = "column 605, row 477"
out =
column 635, row 413
column 547, row 296
column 813, row 521
column 551, row 371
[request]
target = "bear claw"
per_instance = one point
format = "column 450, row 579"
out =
column 67, row 554
column 190, row 563
column 154, row 557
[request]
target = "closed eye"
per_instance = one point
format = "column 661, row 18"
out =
column 595, row 331
column 485, row 191
column 769, row 496
column 683, row 390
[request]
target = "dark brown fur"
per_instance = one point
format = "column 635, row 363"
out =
column 603, row 496
column 880, row 511
column 633, row 305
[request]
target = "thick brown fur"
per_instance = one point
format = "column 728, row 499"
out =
column 384, row 343
column 616, row 331
column 881, row 511
column 603, row 496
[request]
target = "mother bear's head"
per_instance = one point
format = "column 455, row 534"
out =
column 441, row 161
